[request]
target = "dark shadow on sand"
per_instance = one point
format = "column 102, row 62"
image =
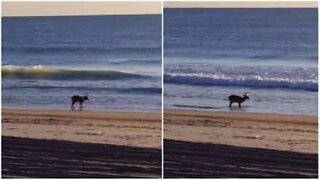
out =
column 196, row 160
column 23, row 157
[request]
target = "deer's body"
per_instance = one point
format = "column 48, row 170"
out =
column 237, row 99
column 79, row 99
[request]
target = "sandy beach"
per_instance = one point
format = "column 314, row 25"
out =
column 110, row 140
column 215, row 144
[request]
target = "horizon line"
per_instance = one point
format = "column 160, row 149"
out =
column 241, row 4
column 240, row 7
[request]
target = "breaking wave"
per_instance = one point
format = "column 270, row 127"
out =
column 43, row 72
column 304, row 78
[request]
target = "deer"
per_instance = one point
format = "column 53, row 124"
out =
column 80, row 99
column 237, row 99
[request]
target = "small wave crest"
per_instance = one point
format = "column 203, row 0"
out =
column 79, row 49
column 137, row 62
column 261, row 77
column 132, row 90
column 43, row 72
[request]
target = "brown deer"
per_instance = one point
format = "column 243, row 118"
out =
column 79, row 99
column 237, row 99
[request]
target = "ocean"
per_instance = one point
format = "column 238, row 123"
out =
column 269, row 53
column 114, row 59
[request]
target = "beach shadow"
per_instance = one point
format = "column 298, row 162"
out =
column 203, row 160
column 33, row 158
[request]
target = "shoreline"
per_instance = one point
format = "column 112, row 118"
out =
column 212, row 109
column 76, row 109
column 246, row 116
column 96, row 113
column 137, row 129
column 295, row 133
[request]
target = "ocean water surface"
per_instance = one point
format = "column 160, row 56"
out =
column 271, row 54
column 114, row 59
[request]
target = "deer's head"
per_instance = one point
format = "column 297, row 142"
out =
column 245, row 96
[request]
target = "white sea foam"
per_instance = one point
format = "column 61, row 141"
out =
column 264, row 77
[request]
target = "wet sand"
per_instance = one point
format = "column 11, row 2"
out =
column 25, row 158
column 121, row 143
column 205, row 160
column 215, row 144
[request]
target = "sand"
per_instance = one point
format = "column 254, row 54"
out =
column 58, row 143
column 205, row 160
column 36, row 158
column 118, row 128
column 269, row 131
column 230, row 144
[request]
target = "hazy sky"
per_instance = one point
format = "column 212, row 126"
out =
column 42, row 8
column 221, row 4
column 79, row 8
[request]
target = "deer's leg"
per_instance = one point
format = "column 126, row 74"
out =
column 230, row 103
column 80, row 107
column 239, row 104
column 72, row 106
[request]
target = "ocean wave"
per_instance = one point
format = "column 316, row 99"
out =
column 79, row 49
column 142, row 90
column 304, row 78
column 43, row 72
column 137, row 62
column 129, row 90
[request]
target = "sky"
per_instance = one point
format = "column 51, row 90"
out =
column 38, row 8
column 43, row 8
column 241, row 4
